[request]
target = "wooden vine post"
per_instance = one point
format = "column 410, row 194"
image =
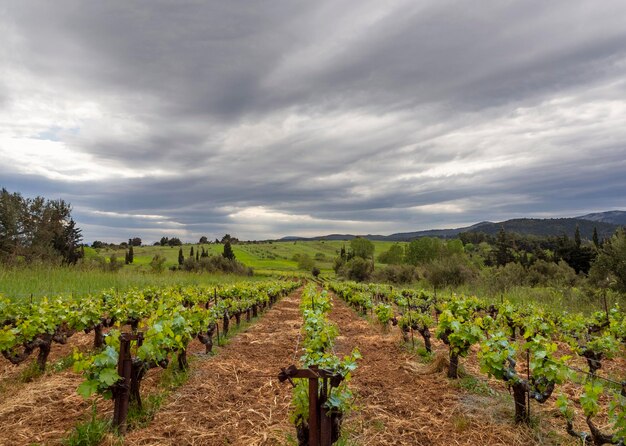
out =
column 121, row 393
column 320, row 423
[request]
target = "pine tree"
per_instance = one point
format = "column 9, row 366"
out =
column 181, row 257
column 577, row 239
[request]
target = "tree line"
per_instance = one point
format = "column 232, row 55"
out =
column 37, row 229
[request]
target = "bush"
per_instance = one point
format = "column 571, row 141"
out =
column 157, row 264
column 99, row 262
column 357, row 269
column 396, row 274
column 305, row 262
column 214, row 264
column 502, row 278
column 394, row 256
column 544, row 273
column 450, row 271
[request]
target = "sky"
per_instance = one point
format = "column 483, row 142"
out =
column 276, row 118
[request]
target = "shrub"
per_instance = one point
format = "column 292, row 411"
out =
column 450, row 271
column 357, row 269
column 305, row 262
column 396, row 274
column 157, row 264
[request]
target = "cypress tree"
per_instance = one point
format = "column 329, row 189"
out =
column 596, row 239
column 126, row 258
column 228, row 251
column 197, row 255
column 131, row 254
column 503, row 254
column 191, row 252
column 181, row 257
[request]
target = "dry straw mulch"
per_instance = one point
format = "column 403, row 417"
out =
column 234, row 398
column 403, row 402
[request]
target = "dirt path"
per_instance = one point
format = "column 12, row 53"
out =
column 399, row 404
column 234, row 398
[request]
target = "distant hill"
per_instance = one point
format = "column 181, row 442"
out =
column 614, row 217
column 549, row 227
column 441, row 233
column 527, row 226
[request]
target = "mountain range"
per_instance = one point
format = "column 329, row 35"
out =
column 606, row 223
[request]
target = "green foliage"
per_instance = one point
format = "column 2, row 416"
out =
column 88, row 433
column 157, row 264
column 384, row 313
column 398, row 274
column 100, row 370
column 36, row 229
column 362, row 247
column 460, row 329
column 228, row 251
column 494, row 354
column 589, row 398
column 608, row 269
column 393, row 256
column 452, row 270
column 170, row 319
column 357, row 268
column 318, row 350
column 31, row 372
column 423, row 250
column 305, row 262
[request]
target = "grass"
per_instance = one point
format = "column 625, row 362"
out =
column 63, row 363
column 22, row 283
column 266, row 258
column 31, row 372
column 276, row 256
column 573, row 300
column 474, row 385
column 90, row 432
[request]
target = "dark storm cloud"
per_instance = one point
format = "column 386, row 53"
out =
column 199, row 118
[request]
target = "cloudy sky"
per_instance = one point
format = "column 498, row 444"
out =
column 265, row 119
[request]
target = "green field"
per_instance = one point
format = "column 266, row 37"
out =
column 21, row 283
column 269, row 258
column 265, row 256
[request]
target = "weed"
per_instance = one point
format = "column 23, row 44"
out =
column 474, row 385
column 88, row 433
column 140, row 418
column 62, row 364
column 31, row 372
